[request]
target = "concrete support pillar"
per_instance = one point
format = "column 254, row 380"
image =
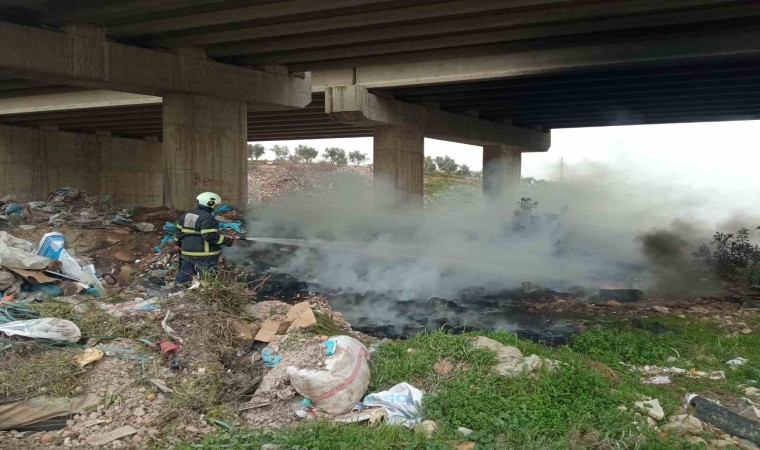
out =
column 204, row 149
column 502, row 168
column 398, row 166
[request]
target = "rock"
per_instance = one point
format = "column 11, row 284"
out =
column 70, row 434
column 270, row 447
column 672, row 359
column 613, row 303
column 750, row 412
column 426, row 427
column 660, row 309
column 151, row 397
column 70, row 423
column 443, row 367
column 696, row 440
column 192, row 429
column 532, row 362
column 509, row 369
column 503, row 353
column 93, row 415
column 137, row 438
column 651, row 422
column 751, row 391
column 125, row 256
column 719, row 443
column 684, row 424
column 46, row 439
column 746, row 445
column 651, row 408
column 67, row 442
column 111, row 436
column 138, row 412
column 92, row 246
column 145, row 227
column 466, row 446
column 746, row 331
column 28, row 227
column 465, row 431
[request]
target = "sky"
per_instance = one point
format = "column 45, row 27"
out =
column 720, row 160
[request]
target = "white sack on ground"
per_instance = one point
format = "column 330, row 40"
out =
column 402, row 404
column 17, row 253
column 342, row 382
column 47, row 328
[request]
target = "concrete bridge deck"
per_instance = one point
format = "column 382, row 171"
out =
column 495, row 73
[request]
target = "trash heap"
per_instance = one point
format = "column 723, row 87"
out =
column 45, row 269
column 70, row 207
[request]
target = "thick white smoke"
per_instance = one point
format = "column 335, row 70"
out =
column 589, row 230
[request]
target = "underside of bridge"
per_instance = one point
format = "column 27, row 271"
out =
column 494, row 73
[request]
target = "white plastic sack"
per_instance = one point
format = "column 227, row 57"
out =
column 402, row 404
column 17, row 254
column 48, row 328
column 342, row 382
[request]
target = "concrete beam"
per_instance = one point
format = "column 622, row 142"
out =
column 699, row 46
column 73, row 100
column 354, row 105
column 96, row 63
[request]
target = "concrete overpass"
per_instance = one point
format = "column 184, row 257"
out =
column 198, row 74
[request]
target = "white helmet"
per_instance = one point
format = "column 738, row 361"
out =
column 208, row 199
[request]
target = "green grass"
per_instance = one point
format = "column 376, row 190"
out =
column 575, row 406
column 696, row 344
column 438, row 186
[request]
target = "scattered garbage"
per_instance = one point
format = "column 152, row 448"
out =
column 16, row 415
column 137, row 304
column 18, row 254
column 105, row 438
column 343, row 380
column 52, row 246
column 657, row 380
column 53, row 329
column 270, row 360
column 725, row 419
column 402, row 404
column 88, row 356
column 657, row 375
column 298, row 316
column 161, row 385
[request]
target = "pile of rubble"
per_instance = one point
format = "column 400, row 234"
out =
column 176, row 368
column 269, row 179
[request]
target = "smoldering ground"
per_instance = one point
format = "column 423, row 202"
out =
column 596, row 228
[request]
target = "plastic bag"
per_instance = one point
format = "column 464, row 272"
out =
column 402, row 404
column 47, row 328
column 341, row 384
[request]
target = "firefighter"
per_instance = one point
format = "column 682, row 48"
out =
column 199, row 239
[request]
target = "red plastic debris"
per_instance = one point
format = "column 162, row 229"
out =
column 168, row 347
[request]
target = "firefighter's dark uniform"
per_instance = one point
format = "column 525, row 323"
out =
column 200, row 242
